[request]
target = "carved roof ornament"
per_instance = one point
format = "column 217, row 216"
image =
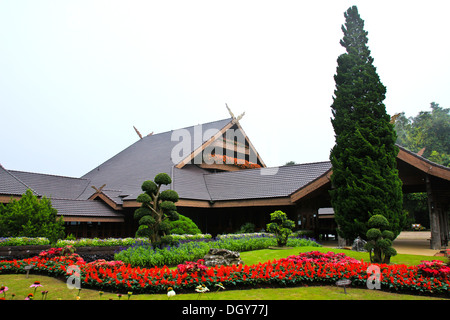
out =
column 235, row 120
column 139, row 134
column 98, row 190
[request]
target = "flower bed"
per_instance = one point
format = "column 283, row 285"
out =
column 146, row 256
column 295, row 270
column 320, row 257
column 435, row 268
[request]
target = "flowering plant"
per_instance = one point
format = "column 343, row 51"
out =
column 319, row 257
column 51, row 253
column 103, row 263
column 435, row 268
column 190, row 267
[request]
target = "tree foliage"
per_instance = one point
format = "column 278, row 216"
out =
column 30, row 217
column 157, row 207
column 429, row 130
column 365, row 179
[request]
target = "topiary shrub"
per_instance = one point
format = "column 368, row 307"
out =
column 281, row 226
column 156, row 209
column 380, row 239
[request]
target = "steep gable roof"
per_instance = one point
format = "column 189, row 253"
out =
column 144, row 159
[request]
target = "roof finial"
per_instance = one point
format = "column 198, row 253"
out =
column 235, row 120
column 137, row 131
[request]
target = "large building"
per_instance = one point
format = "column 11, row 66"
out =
column 222, row 182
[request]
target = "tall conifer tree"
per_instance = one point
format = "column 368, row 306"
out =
column 365, row 179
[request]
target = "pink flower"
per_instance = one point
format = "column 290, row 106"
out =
column 3, row 289
column 36, row 284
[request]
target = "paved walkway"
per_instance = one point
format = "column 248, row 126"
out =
column 414, row 242
column 408, row 242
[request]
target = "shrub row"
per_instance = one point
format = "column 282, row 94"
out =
column 92, row 242
column 23, row 241
column 96, row 242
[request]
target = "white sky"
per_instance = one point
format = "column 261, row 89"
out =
column 75, row 76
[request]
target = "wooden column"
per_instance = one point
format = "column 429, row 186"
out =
column 433, row 211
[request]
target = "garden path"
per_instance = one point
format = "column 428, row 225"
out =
column 408, row 242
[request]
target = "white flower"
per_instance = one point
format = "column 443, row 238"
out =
column 170, row 292
column 201, row 289
column 220, row 286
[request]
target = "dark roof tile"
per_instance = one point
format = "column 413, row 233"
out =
column 52, row 186
column 84, row 208
column 263, row 183
column 12, row 185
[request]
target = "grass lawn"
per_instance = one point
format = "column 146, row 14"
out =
column 253, row 257
column 57, row 289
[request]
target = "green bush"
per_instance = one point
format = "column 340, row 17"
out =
column 183, row 225
column 30, row 217
column 247, row 228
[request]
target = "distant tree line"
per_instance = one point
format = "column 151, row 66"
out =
column 428, row 132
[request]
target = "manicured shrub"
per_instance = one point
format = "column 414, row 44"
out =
column 163, row 178
column 281, row 226
column 183, row 225
column 379, row 242
column 156, row 208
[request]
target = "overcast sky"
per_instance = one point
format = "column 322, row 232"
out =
column 76, row 76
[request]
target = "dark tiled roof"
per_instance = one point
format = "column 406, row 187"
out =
column 84, row 208
column 124, row 173
column 11, row 185
column 189, row 183
column 143, row 160
column 263, row 183
column 54, row 187
column 61, row 190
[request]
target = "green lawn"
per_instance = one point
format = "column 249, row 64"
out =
column 57, row 289
column 252, row 257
